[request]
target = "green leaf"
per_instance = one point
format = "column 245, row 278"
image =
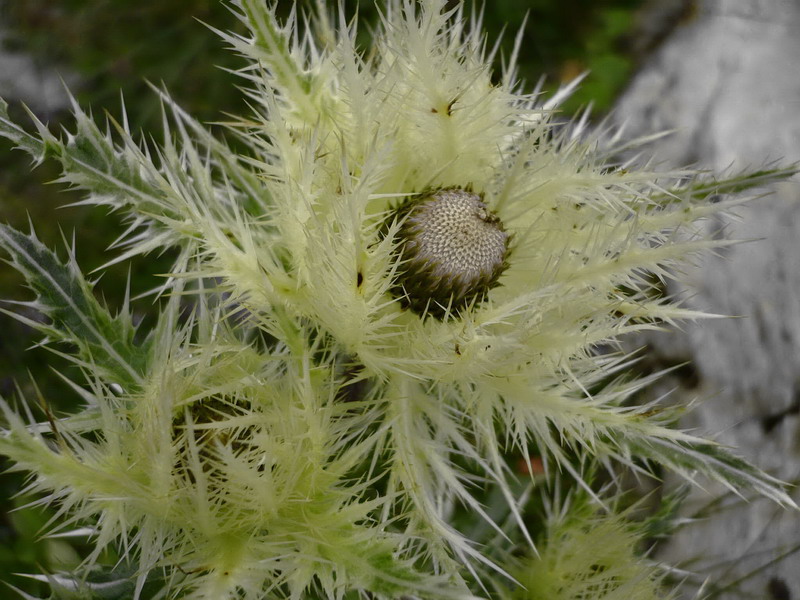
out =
column 62, row 294
column 120, row 177
column 167, row 199
column 21, row 138
column 690, row 456
column 273, row 44
column 701, row 189
column 98, row 583
column 744, row 181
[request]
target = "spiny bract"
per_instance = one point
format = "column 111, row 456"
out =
column 310, row 431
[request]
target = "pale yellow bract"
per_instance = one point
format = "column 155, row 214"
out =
column 304, row 433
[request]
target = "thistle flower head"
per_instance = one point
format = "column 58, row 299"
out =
column 452, row 249
column 220, row 449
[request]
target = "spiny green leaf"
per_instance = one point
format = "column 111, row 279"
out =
column 115, row 176
column 744, row 181
column 23, row 140
column 99, row 583
column 64, row 295
column 701, row 189
column 688, row 457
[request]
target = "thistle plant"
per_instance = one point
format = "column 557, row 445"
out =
column 408, row 275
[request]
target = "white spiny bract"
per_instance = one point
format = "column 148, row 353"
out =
column 304, row 434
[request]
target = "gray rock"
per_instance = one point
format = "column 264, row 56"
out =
column 24, row 79
column 728, row 81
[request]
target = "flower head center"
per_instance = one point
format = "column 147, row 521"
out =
column 453, row 249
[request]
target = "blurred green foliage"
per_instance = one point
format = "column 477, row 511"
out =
column 114, row 46
column 118, row 44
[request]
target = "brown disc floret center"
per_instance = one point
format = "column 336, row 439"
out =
column 453, row 249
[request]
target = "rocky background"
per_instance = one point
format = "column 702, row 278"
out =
column 727, row 80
